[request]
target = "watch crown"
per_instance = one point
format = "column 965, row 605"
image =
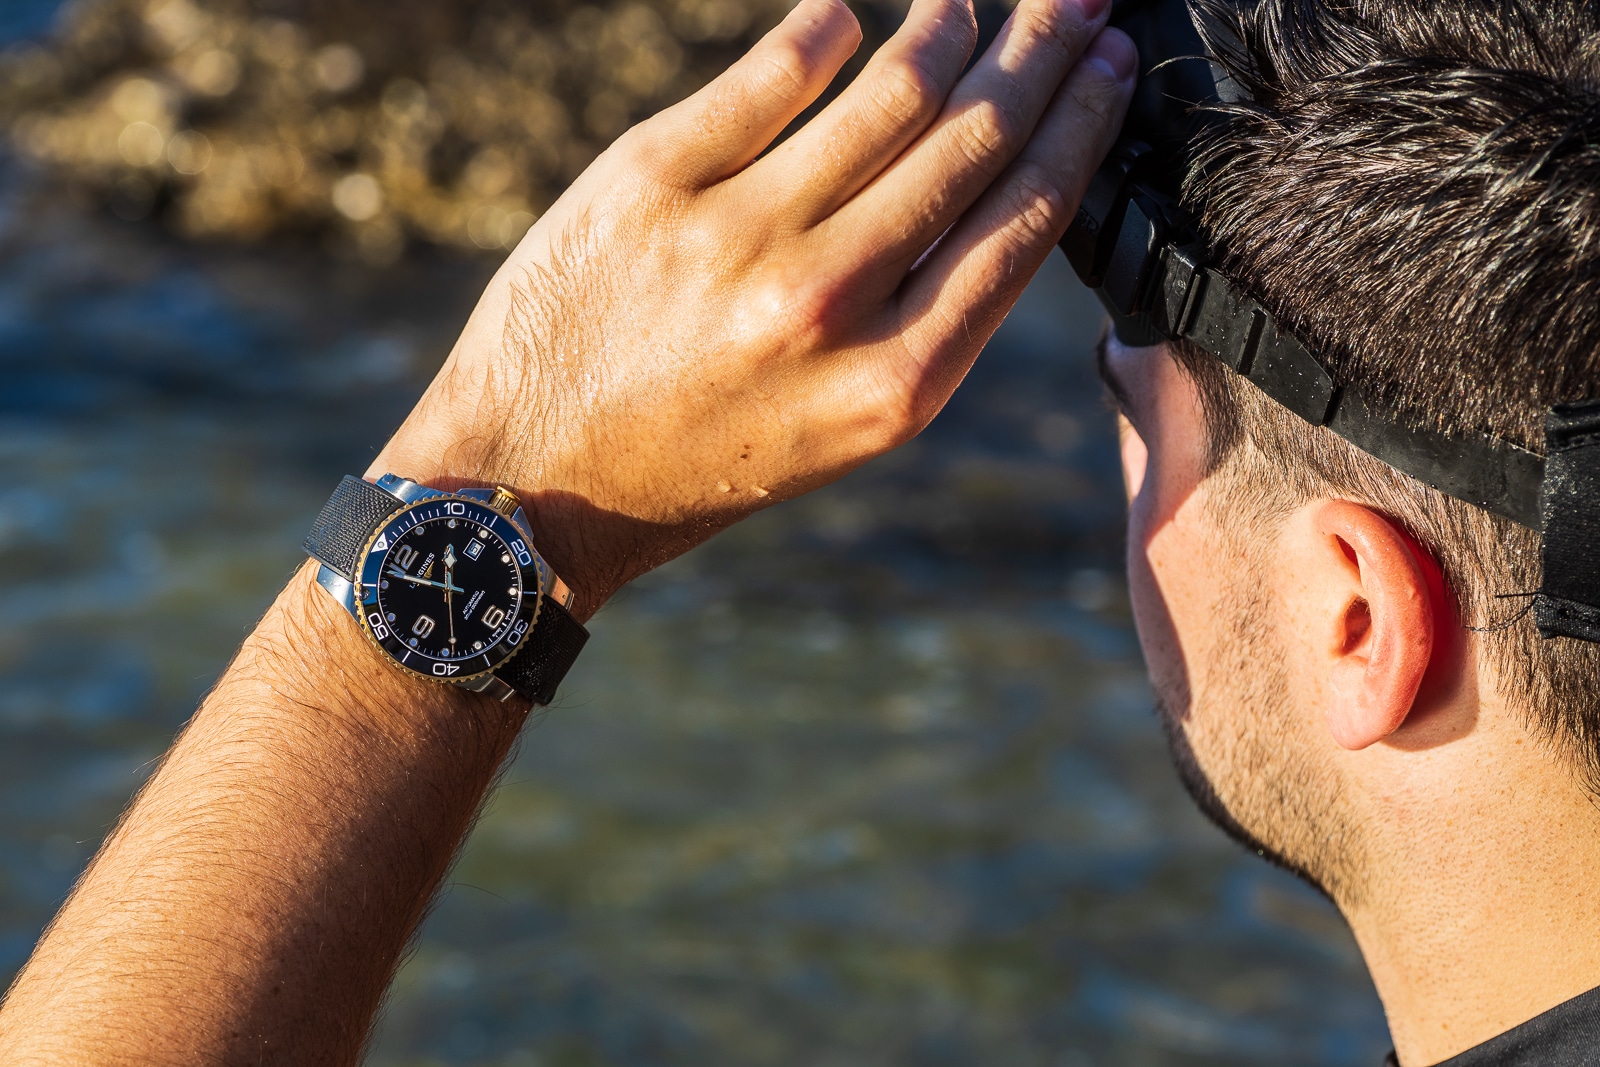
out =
column 504, row 501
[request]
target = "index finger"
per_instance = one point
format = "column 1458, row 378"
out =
column 717, row 132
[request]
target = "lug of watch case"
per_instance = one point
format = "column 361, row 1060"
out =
column 338, row 586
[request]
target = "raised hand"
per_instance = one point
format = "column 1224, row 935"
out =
column 695, row 330
column 692, row 332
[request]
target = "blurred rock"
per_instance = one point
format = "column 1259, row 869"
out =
column 368, row 125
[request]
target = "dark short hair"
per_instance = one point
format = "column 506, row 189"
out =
column 1414, row 187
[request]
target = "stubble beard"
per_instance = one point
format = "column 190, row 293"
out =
column 1245, row 758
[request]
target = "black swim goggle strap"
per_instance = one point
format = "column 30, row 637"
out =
column 1138, row 251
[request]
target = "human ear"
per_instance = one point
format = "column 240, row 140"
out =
column 1379, row 599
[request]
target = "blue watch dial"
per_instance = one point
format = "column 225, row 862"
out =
column 448, row 588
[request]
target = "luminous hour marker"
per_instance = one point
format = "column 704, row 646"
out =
column 505, row 557
column 477, row 645
column 513, row 590
column 484, row 534
column 451, row 524
column 391, row 616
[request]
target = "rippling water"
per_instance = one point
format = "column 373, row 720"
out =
column 871, row 779
column 25, row 18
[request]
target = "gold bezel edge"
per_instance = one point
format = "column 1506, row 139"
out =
column 539, row 570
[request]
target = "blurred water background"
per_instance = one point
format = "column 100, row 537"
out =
column 871, row 779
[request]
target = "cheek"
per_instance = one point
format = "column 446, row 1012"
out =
column 1147, row 547
column 1171, row 575
column 1155, row 614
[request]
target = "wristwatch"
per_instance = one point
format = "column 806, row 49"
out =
column 448, row 585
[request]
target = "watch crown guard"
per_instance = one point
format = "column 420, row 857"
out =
column 504, row 501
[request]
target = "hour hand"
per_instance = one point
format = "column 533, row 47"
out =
column 396, row 572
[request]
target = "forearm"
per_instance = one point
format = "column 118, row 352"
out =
column 254, row 901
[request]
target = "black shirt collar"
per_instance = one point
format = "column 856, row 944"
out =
column 1567, row 1035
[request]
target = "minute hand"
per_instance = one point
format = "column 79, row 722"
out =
column 395, row 572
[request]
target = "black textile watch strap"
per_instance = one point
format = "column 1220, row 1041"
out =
column 346, row 521
column 548, row 652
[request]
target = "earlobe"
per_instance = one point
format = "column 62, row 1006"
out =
column 1383, row 592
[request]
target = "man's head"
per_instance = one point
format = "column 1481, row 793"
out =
column 1415, row 190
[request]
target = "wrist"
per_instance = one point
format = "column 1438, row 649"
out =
column 448, row 445
column 308, row 657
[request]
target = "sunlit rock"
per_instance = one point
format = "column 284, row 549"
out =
column 368, row 125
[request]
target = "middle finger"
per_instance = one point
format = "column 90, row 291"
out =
column 985, row 123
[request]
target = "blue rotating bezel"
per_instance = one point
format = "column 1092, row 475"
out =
column 532, row 579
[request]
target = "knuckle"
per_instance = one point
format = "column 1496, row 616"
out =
column 894, row 400
column 651, row 161
column 783, row 73
column 905, row 93
column 1061, row 34
column 811, row 314
column 1038, row 207
column 905, row 419
column 825, row 313
column 641, row 146
column 987, row 135
column 644, row 152
column 893, row 411
column 889, row 433
column 1094, row 91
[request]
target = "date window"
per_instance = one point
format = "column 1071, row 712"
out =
column 474, row 548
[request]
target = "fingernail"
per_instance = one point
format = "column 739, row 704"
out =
column 1114, row 52
column 1093, row 9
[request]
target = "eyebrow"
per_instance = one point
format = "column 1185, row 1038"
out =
column 1108, row 377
